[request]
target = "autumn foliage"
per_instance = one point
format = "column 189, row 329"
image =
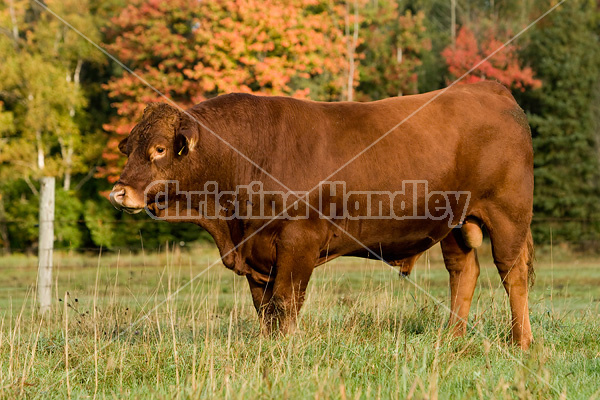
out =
column 503, row 67
column 191, row 51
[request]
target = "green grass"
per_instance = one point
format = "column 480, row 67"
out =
column 364, row 333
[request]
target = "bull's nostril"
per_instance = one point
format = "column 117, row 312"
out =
column 117, row 197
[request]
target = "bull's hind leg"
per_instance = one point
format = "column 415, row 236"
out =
column 512, row 248
column 463, row 266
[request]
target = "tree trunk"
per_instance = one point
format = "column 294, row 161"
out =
column 41, row 160
column 67, row 146
column 351, row 48
column 13, row 20
column 66, row 149
column 3, row 227
column 453, row 21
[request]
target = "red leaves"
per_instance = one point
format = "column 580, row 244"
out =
column 503, row 66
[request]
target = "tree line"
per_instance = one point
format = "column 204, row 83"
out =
column 65, row 105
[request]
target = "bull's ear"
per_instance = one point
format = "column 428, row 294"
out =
column 186, row 137
column 123, row 146
column 180, row 146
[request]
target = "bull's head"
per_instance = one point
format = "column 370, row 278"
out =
column 157, row 148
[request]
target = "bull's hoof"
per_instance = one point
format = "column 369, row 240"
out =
column 523, row 343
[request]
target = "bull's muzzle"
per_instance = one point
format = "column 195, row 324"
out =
column 121, row 199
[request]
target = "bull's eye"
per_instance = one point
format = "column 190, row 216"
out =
column 159, row 152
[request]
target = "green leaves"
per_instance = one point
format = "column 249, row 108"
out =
column 394, row 44
column 40, row 86
column 564, row 51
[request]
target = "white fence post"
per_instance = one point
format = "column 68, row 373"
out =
column 46, row 243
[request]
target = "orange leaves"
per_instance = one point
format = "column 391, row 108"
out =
column 247, row 44
column 192, row 50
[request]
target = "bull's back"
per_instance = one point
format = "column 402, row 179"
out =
column 443, row 137
column 415, row 137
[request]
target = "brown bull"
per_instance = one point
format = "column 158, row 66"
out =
column 471, row 139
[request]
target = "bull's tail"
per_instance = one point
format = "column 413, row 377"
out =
column 527, row 256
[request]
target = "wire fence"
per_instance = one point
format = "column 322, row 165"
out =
column 548, row 231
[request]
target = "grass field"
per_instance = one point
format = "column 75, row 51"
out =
column 364, row 333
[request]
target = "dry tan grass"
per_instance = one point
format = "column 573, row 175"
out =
column 365, row 333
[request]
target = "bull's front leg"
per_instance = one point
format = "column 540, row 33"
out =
column 279, row 303
column 262, row 292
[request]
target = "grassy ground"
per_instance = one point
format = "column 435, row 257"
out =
column 365, row 333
